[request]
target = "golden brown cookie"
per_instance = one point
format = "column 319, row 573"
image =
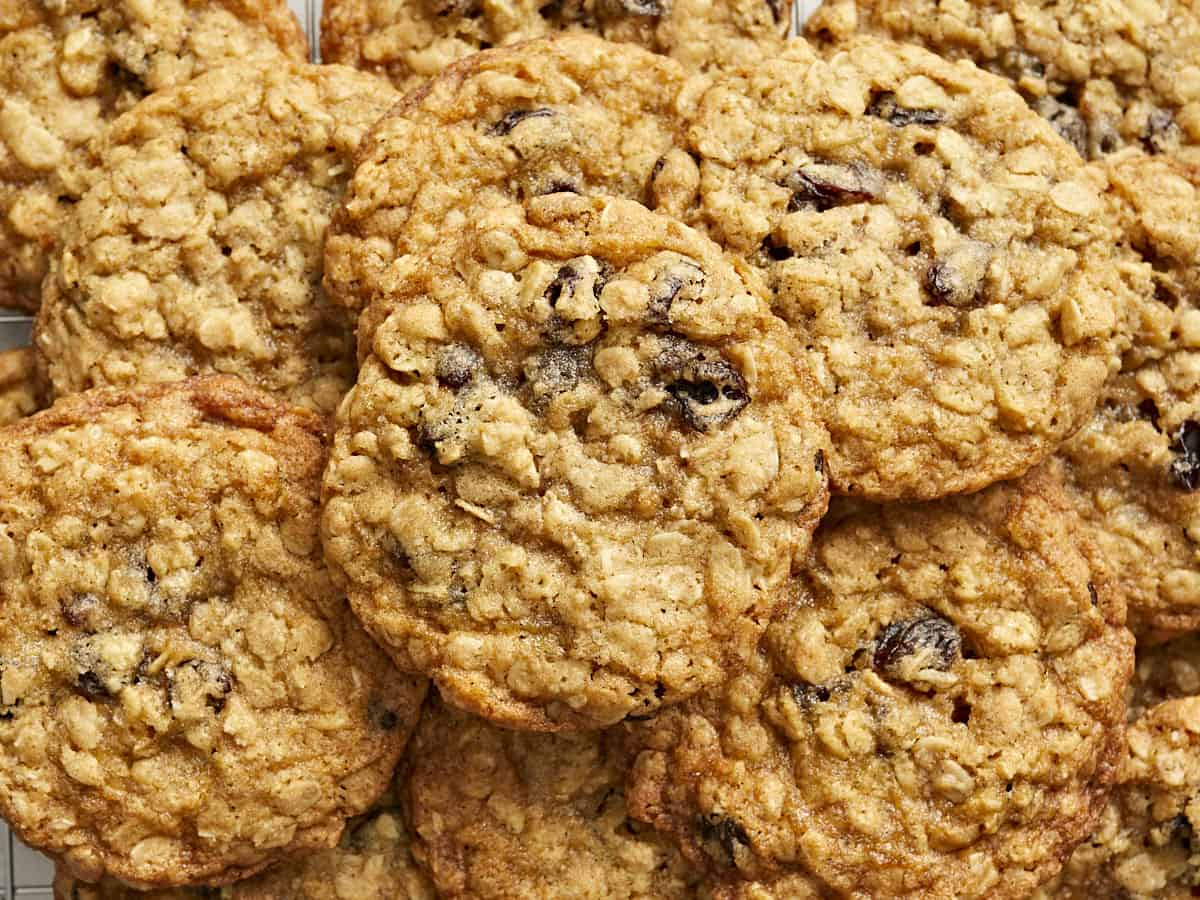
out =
column 571, row 114
column 944, row 258
column 502, row 814
column 185, row 697
column 577, row 466
column 373, row 861
column 67, row 69
column 412, row 40
column 198, row 249
column 1144, row 847
column 1136, row 464
column 1106, row 75
column 937, row 713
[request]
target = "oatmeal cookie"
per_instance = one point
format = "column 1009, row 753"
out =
column 576, row 468
column 69, row 68
column 1136, row 465
column 373, row 861
column 199, row 248
column 568, row 114
column 503, row 814
column 185, row 697
column 940, row 253
column 938, row 713
column 413, row 40
column 1145, row 847
column 19, row 386
column 1106, row 75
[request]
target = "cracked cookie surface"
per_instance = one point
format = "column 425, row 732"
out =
column 199, row 247
column 1136, row 464
column 936, row 713
column 412, row 40
column 67, row 69
column 577, row 466
column 373, row 861
column 1144, row 847
column 186, row 697
column 500, row 814
column 936, row 248
column 1106, row 75
column 19, row 390
column 568, row 114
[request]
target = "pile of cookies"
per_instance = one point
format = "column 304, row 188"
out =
column 603, row 449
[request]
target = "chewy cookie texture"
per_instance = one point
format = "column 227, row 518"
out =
column 67, row 69
column 571, row 114
column 1106, row 75
column 938, row 250
column 937, row 713
column 1136, row 464
column 198, row 248
column 577, row 468
column 412, row 40
column 186, row 697
column 373, row 861
column 500, row 814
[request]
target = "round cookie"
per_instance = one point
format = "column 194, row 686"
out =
column 412, row 40
column 1144, row 847
column 1136, row 465
column 573, row 113
column 373, row 861
column 940, row 253
column 938, row 713
column 19, row 388
column 502, row 814
column 1106, row 75
column 69, row 68
column 184, row 695
column 577, row 466
column 199, row 247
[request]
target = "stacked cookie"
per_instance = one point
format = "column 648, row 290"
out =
column 765, row 454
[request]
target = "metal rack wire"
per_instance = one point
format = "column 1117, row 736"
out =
column 24, row 874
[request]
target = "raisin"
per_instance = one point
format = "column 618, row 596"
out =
column 683, row 279
column 1185, row 471
column 515, row 117
column 936, row 639
column 457, row 366
column 1067, row 121
column 1161, row 132
column 724, row 831
column 82, row 611
column 199, row 680
column 884, row 106
column 1181, row 831
column 574, row 295
column 91, row 685
column 558, row 370
column 705, row 390
column 826, row 185
column 957, row 279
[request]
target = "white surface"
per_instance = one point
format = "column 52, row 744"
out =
column 24, row 874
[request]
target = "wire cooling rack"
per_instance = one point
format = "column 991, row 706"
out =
column 24, row 874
